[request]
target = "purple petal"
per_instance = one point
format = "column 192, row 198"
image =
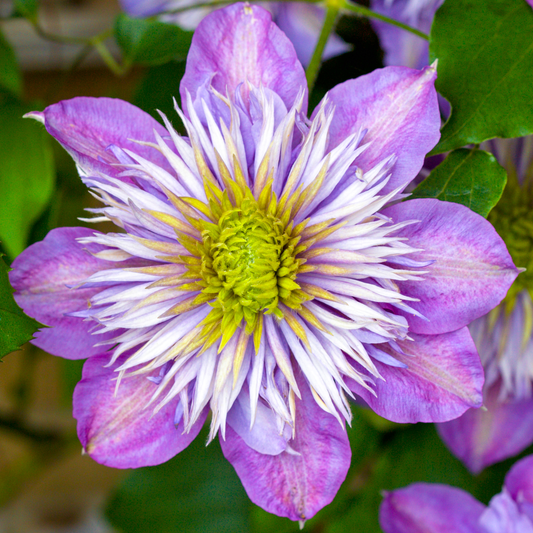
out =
column 399, row 109
column 299, row 482
column 87, row 127
column 41, row 277
column 240, row 44
column 118, row 430
column 144, row 8
column 481, row 438
column 302, row 23
column 402, row 47
column 504, row 516
column 472, row 270
column 443, row 378
column 263, row 437
column 430, row 508
column 519, row 483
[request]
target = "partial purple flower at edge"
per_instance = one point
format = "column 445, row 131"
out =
column 504, row 338
column 432, row 508
column 259, row 273
column 402, row 47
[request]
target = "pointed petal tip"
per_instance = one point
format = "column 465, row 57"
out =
column 36, row 115
column 429, row 73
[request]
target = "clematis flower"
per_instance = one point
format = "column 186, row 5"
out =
column 433, row 508
column 504, row 337
column 301, row 22
column 261, row 272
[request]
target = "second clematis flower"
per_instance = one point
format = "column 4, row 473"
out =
column 264, row 271
column 504, row 337
column 432, row 508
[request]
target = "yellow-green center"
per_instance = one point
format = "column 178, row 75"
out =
column 513, row 220
column 246, row 250
column 247, row 263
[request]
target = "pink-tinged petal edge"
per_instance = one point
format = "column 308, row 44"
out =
column 481, row 438
column 300, row 482
column 88, row 127
column 472, row 269
column 240, row 44
column 399, row 109
column 117, row 429
column 443, row 378
column 430, row 508
column 41, row 277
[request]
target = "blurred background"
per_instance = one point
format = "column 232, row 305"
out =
column 46, row 484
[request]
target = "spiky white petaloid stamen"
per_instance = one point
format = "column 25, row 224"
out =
column 351, row 257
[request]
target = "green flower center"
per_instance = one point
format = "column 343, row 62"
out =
column 249, row 262
column 513, row 220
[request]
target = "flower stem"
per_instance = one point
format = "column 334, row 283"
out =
column 109, row 60
column 97, row 42
column 365, row 12
column 314, row 65
column 15, row 424
column 65, row 39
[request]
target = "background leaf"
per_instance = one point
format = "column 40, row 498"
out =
column 485, row 53
column 26, row 8
column 26, row 175
column 197, row 491
column 470, row 177
column 150, row 42
column 16, row 328
column 10, row 78
column 156, row 89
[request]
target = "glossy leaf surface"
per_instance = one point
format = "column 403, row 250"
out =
column 485, row 54
column 469, row 177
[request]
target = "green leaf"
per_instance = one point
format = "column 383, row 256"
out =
column 16, row 328
column 150, row 42
column 156, row 89
column 485, row 53
column 197, row 491
column 10, row 78
column 470, row 177
column 26, row 8
column 26, row 175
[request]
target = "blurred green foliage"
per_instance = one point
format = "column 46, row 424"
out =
column 26, row 8
column 27, row 175
column 10, row 77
